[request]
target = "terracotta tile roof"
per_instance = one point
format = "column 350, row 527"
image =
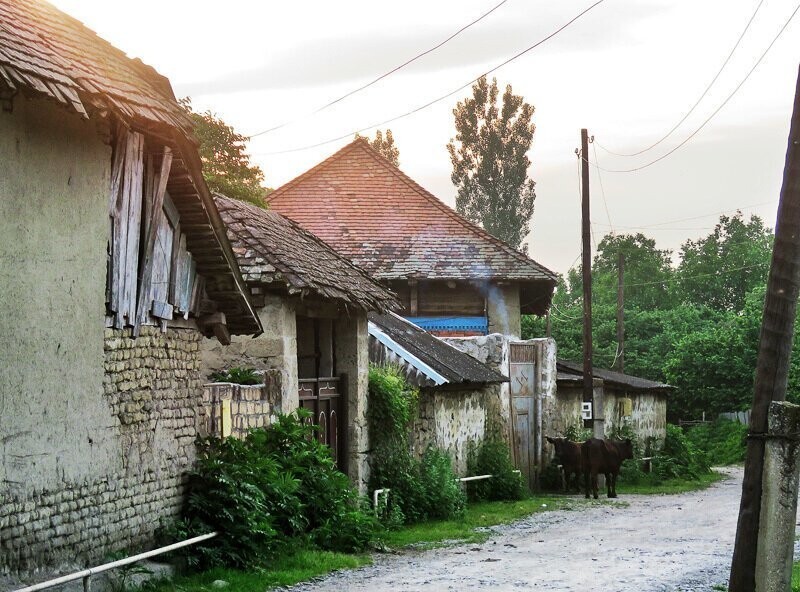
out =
column 46, row 50
column 373, row 213
column 274, row 251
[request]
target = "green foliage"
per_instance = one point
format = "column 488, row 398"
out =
column 262, row 494
column 284, row 570
column 226, row 164
column 490, row 162
column 723, row 441
column 720, row 269
column 385, row 145
column 576, row 432
column 420, row 489
column 679, row 458
column 238, row 376
column 493, row 457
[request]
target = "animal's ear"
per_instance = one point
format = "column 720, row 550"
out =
column 549, row 439
column 627, row 440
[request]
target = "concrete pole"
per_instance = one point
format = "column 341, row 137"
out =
column 776, row 529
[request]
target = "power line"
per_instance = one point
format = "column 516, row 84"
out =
column 385, row 74
column 443, row 97
column 602, row 190
column 710, row 117
column 702, row 96
column 650, row 226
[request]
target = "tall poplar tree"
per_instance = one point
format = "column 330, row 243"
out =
column 385, row 145
column 490, row 162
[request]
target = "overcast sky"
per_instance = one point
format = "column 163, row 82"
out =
column 627, row 71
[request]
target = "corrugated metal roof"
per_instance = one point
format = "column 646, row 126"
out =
column 573, row 370
column 430, row 357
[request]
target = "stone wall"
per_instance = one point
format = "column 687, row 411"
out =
column 491, row 350
column 151, row 411
column 251, row 406
column 648, row 418
column 454, row 421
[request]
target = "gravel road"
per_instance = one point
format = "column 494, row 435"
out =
column 643, row 543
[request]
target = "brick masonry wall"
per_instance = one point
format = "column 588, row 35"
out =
column 152, row 394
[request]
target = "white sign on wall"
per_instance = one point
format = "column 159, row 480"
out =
column 586, row 410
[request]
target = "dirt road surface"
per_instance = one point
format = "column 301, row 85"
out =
column 644, row 543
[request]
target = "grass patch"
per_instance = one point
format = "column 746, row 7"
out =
column 284, row 571
column 672, row 486
column 796, row 577
column 478, row 516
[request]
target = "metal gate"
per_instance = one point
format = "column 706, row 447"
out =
column 323, row 397
column 526, row 408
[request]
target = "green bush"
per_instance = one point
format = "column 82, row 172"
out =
column 493, row 457
column 420, row 489
column 724, row 441
column 238, row 376
column 679, row 458
column 276, row 488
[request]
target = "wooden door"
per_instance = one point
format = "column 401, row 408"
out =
column 522, row 374
column 323, row 397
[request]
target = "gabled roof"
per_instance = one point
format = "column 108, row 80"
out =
column 47, row 53
column 374, row 214
column 50, row 52
column 425, row 360
column 573, row 370
column 275, row 252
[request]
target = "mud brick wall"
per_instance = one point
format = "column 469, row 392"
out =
column 150, row 411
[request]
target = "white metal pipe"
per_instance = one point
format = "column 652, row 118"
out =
column 114, row 564
column 375, row 495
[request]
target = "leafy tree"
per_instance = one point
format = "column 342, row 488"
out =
column 385, row 145
column 490, row 162
column 649, row 275
column 226, row 164
column 722, row 268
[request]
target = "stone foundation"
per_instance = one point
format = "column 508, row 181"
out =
column 151, row 409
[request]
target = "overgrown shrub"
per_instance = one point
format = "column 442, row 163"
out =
column 238, row 376
column 724, row 441
column 679, row 458
column 420, row 489
column 493, row 457
column 277, row 487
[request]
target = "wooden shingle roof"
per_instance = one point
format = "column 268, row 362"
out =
column 275, row 252
column 374, row 214
column 47, row 53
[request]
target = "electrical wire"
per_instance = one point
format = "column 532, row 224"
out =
column 385, row 74
column 702, row 96
column 443, row 97
column 713, row 114
column 602, row 190
column 653, row 226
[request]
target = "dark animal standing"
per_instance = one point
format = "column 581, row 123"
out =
column 569, row 454
column 604, row 456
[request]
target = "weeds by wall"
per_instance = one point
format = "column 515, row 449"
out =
column 420, row 489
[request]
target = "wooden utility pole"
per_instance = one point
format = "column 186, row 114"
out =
column 586, row 237
column 620, row 362
column 774, row 352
